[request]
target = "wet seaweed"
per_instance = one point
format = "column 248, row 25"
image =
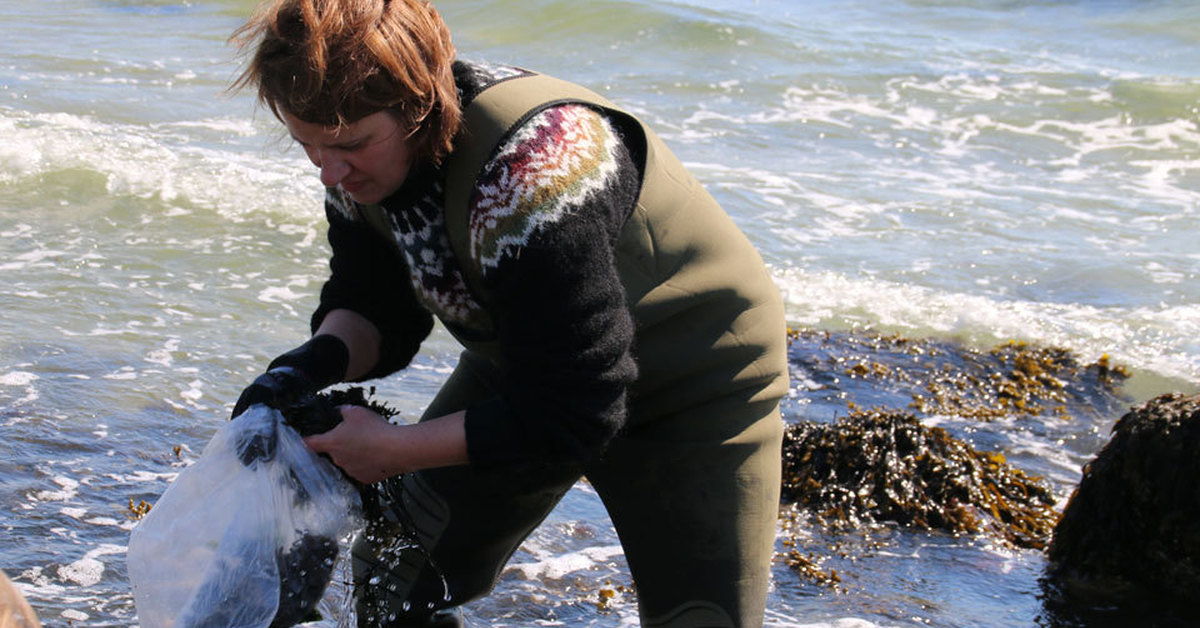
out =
column 306, row 567
column 139, row 509
column 883, row 466
column 807, row 564
column 610, row 595
column 389, row 527
column 937, row 377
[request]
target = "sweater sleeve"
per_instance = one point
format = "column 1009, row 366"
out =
column 545, row 219
column 369, row 276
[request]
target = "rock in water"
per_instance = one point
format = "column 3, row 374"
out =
column 1128, row 543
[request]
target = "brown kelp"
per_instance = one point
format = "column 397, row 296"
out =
column 885, row 466
column 940, row 377
column 850, row 467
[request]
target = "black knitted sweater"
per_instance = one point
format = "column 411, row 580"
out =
column 544, row 219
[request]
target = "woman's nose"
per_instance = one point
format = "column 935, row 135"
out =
column 333, row 168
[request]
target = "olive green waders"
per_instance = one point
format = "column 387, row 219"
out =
column 694, row 501
column 692, row 481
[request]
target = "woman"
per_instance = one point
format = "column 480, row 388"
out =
column 617, row 326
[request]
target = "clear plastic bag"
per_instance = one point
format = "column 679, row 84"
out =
column 247, row 536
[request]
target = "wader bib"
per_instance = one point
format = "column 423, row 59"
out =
column 692, row 483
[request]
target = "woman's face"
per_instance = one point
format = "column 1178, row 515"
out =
column 369, row 158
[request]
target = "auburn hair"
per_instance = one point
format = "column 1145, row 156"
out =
column 334, row 62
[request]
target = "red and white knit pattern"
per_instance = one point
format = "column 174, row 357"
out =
column 549, row 166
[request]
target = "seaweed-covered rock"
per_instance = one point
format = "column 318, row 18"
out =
column 886, row 466
column 1129, row 538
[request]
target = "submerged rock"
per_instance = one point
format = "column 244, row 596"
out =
column 886, row 466
column 1128, row 544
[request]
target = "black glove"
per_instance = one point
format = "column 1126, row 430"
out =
column 318, row 363
column 277, row 388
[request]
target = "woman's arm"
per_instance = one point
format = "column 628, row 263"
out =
column 545, row 218
column 360, row 336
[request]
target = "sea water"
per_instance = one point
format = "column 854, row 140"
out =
column 972, row 171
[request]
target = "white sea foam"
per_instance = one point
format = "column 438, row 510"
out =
column 137, row 477
column 242, row 127
column 1078, row 148
column 1159, row 339
column 555, row 567
column 41, row 258
column 280, row 294
column 160, row 161
column 68, row 488
column 74, row 615
column 164, row 355
column 776, row 619
column 85, row 571
column 18, row 378
column 193, row 393
column 89, row 570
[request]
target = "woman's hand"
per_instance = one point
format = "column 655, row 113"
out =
column 369, row 448
column 363, row 445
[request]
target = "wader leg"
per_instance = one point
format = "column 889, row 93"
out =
column 468, row 523
column 695, row 501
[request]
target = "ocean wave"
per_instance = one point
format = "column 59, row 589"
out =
column 185, row 165
column 1161, row 340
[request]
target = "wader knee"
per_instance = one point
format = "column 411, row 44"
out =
column 443, row 541
column 395, row 581
column 697, row 614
